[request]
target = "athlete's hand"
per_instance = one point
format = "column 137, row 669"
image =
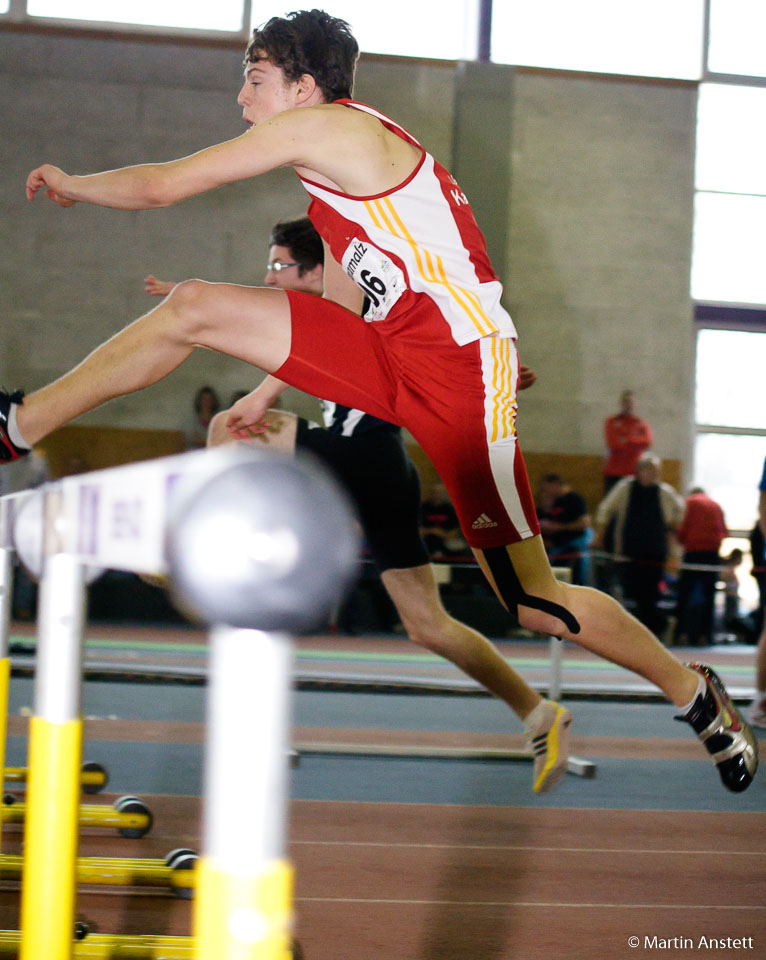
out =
column 247, row 417
column 527, row 377
column 54, row 180
column 158, row 288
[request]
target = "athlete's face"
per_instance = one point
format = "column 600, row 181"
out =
column 265, row 92
column 282, row 271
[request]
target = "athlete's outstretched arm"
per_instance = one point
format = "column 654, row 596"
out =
column 284, row 140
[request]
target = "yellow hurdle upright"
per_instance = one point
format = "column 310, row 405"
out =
column 55, row 755
column 6, row 593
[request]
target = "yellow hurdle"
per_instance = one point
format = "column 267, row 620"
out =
column 133, row 822
column 118, row 872
column 6, row 588
column 92, row 776
column 244, row 917
column 51, row 838
column 5, row 674
column 55, row 754
column 109, row 947
column 119, row 519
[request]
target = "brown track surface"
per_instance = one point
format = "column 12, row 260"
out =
column 424, row 882
column 440, row 882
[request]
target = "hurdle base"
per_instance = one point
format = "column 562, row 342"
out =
column 575, row 765
column 93, row 776
column 132, row 824
column 115, row 872
column 102, row 946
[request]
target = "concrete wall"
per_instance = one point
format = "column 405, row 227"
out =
column 599, row 247
column 584, row 184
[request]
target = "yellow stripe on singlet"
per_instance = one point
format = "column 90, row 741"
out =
column 385, row 217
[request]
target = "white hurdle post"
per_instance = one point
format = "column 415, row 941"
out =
column 8, row 505
column 241, row 533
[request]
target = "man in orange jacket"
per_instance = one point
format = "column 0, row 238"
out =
column 627, row 437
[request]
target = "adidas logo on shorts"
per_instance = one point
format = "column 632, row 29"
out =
column 482, row 522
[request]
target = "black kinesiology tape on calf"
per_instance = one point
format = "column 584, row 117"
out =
column 513, row 593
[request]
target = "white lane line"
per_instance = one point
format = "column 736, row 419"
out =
column 534, row 903
column 481, row 846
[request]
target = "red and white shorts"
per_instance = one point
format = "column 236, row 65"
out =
column 458, row 402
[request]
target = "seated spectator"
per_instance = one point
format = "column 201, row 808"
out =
column 565, row 526
column 439, row 525
column 743, row 627
column 701, row 534
column 646, row 512
column 758, row 553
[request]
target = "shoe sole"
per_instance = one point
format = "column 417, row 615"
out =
column 556, row 751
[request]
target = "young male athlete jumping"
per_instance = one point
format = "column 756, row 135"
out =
column 436, row 353
column 368, row 456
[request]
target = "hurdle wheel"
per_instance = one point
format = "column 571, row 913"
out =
column 130, row 804
column 98, row 775
column 181, row 858
column 178, row 854
column 81, row 930
column 297, row 951
column 9, row 799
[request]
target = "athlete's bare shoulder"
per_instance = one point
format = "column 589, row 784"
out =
column 353, row 151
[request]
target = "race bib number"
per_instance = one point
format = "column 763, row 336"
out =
column 377, row 275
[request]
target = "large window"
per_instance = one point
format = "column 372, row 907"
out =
column 653, row 38
column 442, row 29
column 729, row 239
column 738, row 37
column 728, row 260
column 731, row 429
column 222, row 15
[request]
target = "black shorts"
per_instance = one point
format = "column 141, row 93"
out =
column 376, row 470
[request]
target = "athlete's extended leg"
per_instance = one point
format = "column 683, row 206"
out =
column 250, row 323
column 523, row 580
column 416, row 598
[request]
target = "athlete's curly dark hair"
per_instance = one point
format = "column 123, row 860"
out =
column 312, row 42
column 301, row 239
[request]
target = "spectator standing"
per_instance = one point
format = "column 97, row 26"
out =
column 645, row 512
column 627, row 438
column 565, row 525
column 701, row 534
